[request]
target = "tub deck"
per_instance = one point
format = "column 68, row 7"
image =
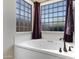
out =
column 38, row 46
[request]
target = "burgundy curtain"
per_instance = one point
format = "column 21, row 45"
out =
column 36, row 34
column 69, row 22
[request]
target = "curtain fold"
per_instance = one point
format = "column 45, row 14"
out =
column 69, row 22
column 36, row 34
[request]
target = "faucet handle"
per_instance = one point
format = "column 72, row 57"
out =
column 70, row 48
column 60, row 50
column 60, row 38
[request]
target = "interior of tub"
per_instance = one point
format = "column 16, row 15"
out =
column 43, row 44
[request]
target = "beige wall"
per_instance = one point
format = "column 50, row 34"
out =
column 52, row 1
column 9, row 27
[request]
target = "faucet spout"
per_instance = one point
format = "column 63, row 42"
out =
column 65, row 49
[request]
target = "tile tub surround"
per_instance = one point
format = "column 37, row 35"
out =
column 51, row 53
column 47, row 35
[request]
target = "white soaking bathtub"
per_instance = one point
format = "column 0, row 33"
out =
column 42, row 49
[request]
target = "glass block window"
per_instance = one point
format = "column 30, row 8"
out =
column 53, row 16
column 23, row 16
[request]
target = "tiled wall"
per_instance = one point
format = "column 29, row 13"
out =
column 24, row 36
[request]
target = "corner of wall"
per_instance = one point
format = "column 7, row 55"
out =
column 9, row 28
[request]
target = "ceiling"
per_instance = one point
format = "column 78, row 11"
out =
column 40, row 0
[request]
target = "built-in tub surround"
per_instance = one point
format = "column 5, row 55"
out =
column 48, row 35
column 42, row 49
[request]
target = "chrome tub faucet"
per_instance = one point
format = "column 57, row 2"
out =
column 64, row 48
